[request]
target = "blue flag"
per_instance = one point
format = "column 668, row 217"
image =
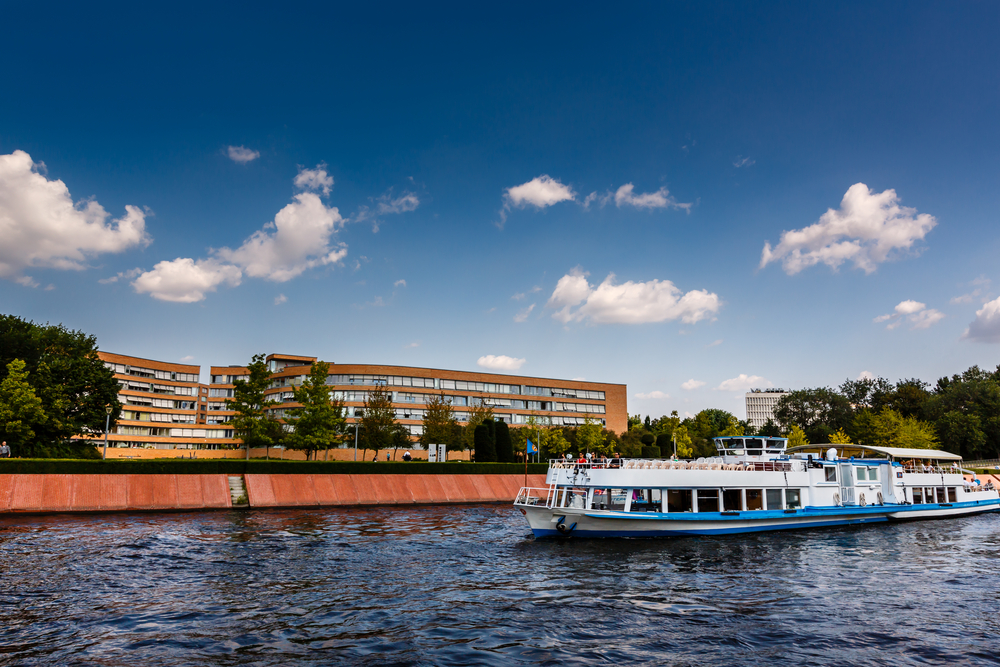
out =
column 532, row 447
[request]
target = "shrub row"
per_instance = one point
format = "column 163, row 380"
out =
column 240, row 467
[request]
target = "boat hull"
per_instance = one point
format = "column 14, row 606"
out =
column 571, row 522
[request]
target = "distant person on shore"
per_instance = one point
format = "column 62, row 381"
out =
column 4, row 450
column 406, row 456
column 375, row 459
column 387, row 456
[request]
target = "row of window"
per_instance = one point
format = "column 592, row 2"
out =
column 220, row 393
column 132, row 385
column 227, row 379
column 148, row 402
column 138, row 371
column 681, row 500
column 175, row 432
column 939, row 495
column 171, row 418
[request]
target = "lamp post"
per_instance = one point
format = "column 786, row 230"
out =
column 107, row 425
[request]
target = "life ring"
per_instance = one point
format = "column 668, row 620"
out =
column 861, row 500
column 880, row 500
column 836, row 498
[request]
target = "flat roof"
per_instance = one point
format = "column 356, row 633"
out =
column 891, row 452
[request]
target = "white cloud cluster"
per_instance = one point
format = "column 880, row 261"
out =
column 628, row 303
column 314, row 179
column 41, row 227
column 280, row 299
column 914, row 312
column 692, row 384
column 298, row 239
column 980, row 293
column 741, row 161
column 242, row 155
column 387, row 205
column 500, row 362
column 522, row 315
column 986, row 327
column 867, row 229
column 743, row 382
column 652, row 394
column 625, row 196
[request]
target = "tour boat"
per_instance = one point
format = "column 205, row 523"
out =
column 753, row 484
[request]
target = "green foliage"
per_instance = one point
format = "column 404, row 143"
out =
column 840, row 438
column 20, row 410
column 478, row 413
column 894, row 430
column 647, row 439
column 486, row 451
column 589, row 437
column 378, row 420
column 258, row 466
column 733, row 428
column 318, row 423
column 250, row 405
column 819, row 412
column 630, row 445
column 556, row 445
column 796, row 437
column 769, row 429
column 650, row 452
column 439, row 424
column 504, row 445
column 65, row 373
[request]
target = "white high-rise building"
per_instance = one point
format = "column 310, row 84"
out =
column 761, row 404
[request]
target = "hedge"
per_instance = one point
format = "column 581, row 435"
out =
column 242, row 467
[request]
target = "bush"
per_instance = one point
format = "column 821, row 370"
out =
column 257, row 466
column 486, row 451
column 650, row 452
column 504, row 446
column 647, row 439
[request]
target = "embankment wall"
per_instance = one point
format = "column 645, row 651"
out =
column 45, row 493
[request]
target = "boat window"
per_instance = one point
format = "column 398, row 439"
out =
column 755, row 499
column 617, row 497
column 708, row 500
column 792, row 501
column 918, row 496
column 754, row 446
column 862, row 474
column 952, row 494
column 679, row 500
column 732, row 500
column 600, row 501
column 831, row 473
column 774, row 499
column 873, row 474
column 928, row 495
column 642, row 501
column 942, row 495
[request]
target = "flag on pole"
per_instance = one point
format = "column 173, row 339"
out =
column 532, row 447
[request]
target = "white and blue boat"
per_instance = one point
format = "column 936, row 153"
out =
column 753, row 484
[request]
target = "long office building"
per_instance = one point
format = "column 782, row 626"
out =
column 166, row 406
column 761, row 404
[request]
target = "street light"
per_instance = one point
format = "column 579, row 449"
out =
column 107, row 424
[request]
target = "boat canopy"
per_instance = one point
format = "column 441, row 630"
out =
column 865, row 451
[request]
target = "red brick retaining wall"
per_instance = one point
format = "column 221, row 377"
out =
column 104, row 493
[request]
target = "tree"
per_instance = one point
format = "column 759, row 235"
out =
column 478, row 413
column 589, row 437
column 894, row 430
column 399, row 438
column 65, row 373
column 797, row 437
column 250, row 405
column 439, row 423
column 504, row 446
column 556, row 444
column 769, row 429
column 20, row 410
column 818, row 412
column 319, row 422
column 378, row 419
column 840, row 438
column 485, row 449
column 734, row 428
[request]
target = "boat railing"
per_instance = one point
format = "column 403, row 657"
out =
column 534, row 496
column 667, row 464
column 938, row 470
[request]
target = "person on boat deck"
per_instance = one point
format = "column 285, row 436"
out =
column 581, row 459
column 616, row 462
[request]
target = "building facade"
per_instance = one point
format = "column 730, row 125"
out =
column 761, row 404
column 165, row 406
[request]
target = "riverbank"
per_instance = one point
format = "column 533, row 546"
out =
column 86, row 493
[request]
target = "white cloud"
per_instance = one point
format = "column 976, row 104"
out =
column 652, row 394
column 522, row 315
column 982, row 284
column 867, row 229
column 518, row 296
column 280, row 299
column 386, row 205
column 625, row 196
column 914, row 312
column 184, row 280
column 692, row 384
column 743, row 382
column 187, row 358
column 314, row 179
column 122, row 275
column 540, row 192
column 27, row 281
column 500, row 362
column 741, row 161
column 415, row 343
column 628, row 303
column 714, row 343
column 866, row 375
column 986, row 327
column 300, row 241
column 399, row 283
column 242, row 155
column 40, row 226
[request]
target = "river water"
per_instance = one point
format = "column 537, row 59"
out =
column 469, row 585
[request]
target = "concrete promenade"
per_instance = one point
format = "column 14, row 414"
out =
column 44, row 493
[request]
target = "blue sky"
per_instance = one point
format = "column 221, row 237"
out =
column 452, row 187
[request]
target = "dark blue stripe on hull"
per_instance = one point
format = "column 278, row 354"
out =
column 541, row 532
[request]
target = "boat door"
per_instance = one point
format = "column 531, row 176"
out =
column 846, row 475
